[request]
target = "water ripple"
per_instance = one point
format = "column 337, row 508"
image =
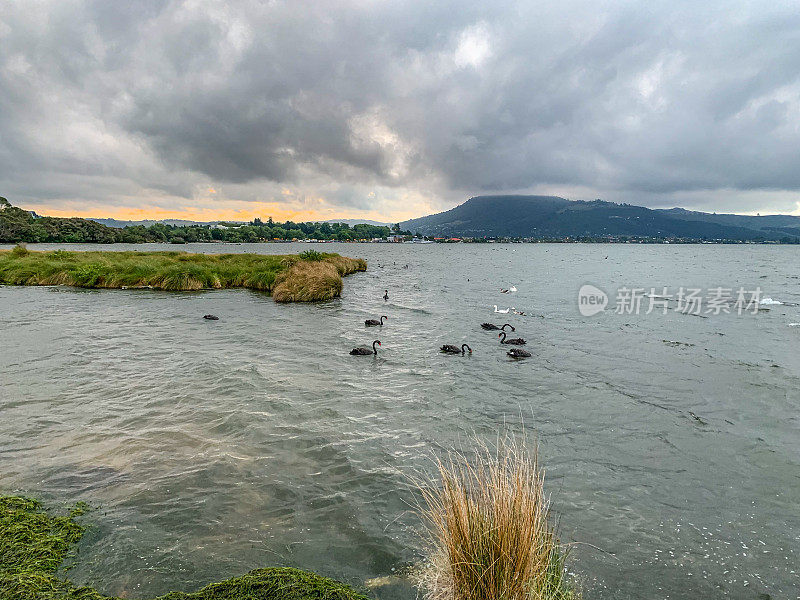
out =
column 216, row 447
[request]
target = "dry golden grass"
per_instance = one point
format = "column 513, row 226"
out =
column 308, row 281
column 347, row 266
column 489, row 530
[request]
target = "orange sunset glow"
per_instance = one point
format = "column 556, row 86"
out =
column 232, row 211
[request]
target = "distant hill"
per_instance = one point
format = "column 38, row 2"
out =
column 352, row 222
column 117, row 224
column 554, row 217
column 776, row 223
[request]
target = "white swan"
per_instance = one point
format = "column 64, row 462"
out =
column 500, row 311
column 513, row 288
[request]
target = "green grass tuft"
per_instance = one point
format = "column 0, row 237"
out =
column 20, row 250
column 312, row 255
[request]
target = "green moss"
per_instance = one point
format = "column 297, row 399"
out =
column 33, row 540
column 34, row 544
column 177, row 271
column 272, row 584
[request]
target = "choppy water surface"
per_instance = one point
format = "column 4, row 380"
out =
column 211, row 448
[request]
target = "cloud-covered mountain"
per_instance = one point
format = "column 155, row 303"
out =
column 553, row 217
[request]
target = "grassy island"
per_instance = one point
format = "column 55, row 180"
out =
column 306, row 277
column 34, row 543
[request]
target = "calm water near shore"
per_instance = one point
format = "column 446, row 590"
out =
column 671, row 442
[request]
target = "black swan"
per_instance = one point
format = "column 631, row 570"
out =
column 492, row 326
column 450, row 349
column 518, row 353
column 364, row 350
column 385, row 294
column 373, row 322
column 514, row 341
column 211, row 317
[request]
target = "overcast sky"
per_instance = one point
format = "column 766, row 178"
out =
column 395, row 109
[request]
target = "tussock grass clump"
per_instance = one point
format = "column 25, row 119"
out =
column 181, row 271
column 489, row 529
column 347, row 266
column 307, row 281
column 34, row 543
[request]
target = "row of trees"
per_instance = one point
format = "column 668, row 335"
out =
column 255, row 231
column 17, row 225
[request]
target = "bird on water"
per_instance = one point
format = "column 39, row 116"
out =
column 374, row 322
column 514, row 341
column 493, row 327
column 364, row 350
column 451, row 349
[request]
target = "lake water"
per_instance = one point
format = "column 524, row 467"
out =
column 671, row 442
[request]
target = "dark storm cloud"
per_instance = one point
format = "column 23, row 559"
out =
column 622, row 100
